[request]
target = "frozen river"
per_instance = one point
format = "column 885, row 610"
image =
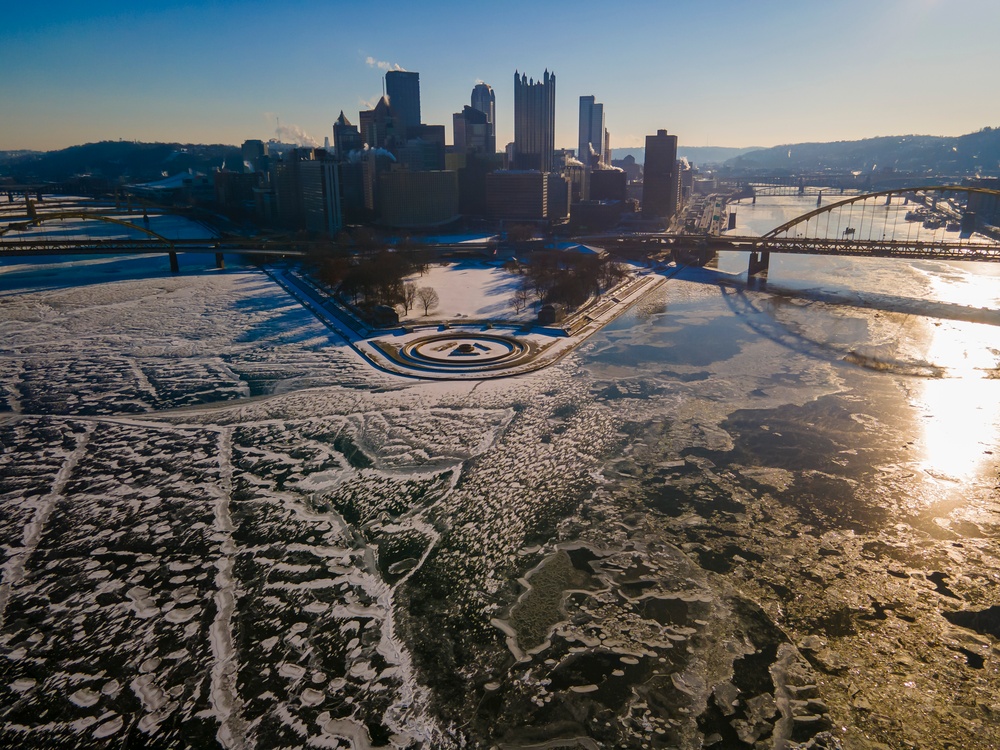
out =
column 732, row 519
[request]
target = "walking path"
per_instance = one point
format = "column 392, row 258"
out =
column 469, row 350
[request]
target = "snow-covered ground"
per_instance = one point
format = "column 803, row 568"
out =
column 480, row 238
column 472, row 289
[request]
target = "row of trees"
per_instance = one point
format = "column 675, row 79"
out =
column 364, row 271
column 568, row 279
column 377, row 278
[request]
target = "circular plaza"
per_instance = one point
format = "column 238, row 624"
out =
column 456, row 351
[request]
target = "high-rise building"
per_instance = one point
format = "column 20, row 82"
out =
column 254, row 154
column 608, row 185
column 534, row 121
column 424, row 150
column 592, row 133
column 403, row 89
column 380, row 128
column 660, row 176
column 346, row 137
column 418, row 199
column 484, row 100
column 472, row 132
column 320, row 191
column 287, row 181
column 517, row 195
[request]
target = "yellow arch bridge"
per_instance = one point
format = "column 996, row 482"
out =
column 923, row 223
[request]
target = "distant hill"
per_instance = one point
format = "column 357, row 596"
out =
column 6, row 156
column 974, row 153
column 699, row 155
column 128, row 161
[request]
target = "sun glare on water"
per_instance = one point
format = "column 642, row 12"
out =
column 962, row 408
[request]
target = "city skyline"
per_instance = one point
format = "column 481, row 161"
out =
column 730, row 75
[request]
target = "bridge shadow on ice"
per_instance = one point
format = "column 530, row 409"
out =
column 863, row 300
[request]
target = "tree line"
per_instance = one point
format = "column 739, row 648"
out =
column 365, row 272
column 566, row 278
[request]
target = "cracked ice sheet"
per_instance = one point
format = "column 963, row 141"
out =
column 143, row 344
column 111, row 618
column 140, row 513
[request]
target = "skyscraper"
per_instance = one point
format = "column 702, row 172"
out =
column 403, row 89
column 472, row 132
column 484, row 100
column 591, row 132
column 660, row 176
column 254, row 155
column 380, row 127
column 346, row 137
column 534, row 121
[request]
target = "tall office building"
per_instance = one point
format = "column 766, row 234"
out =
column 346, row 137
column 424, row 149
column 534, row 121
column 380, row 128
column 592, row 133
column 660, row 177
column 320, row 194
column 286, row 178
column 484, row 100
column 472, row 132
column 254, row 154
column 403, row 89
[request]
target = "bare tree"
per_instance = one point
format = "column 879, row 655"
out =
column 521, row 297
column 520, row 233
column 409, row 296
column 428, row 298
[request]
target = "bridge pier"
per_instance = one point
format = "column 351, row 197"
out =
column 175, row 267
column 759, row 262
column 219, row 261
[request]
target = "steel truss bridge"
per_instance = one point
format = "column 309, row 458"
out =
column 761, row 190
column 917, row 223
column 922, row 223
column 23, row 239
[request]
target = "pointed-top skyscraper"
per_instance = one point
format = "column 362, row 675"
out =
column 534, row 121
column 346, row 137
column 380, row 128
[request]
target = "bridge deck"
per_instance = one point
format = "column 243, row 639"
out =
column 959, row 249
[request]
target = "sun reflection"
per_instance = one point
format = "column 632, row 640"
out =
column 962, row 408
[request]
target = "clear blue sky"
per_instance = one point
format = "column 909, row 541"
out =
column 722, row 73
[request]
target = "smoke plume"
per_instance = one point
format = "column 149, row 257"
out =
column 382, row 64
column 357, row 155
column 295, row 134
